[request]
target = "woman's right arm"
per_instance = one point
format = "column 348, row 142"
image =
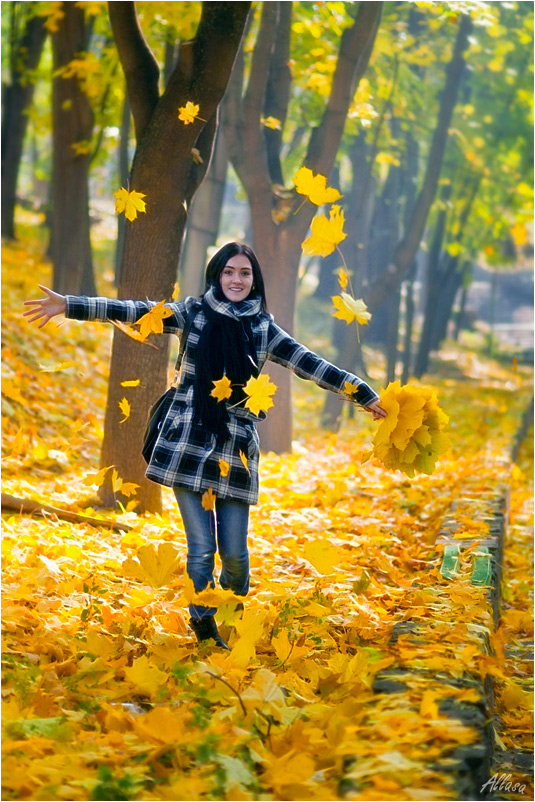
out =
column 81, row 307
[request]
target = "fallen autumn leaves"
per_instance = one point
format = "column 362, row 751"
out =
column 107, row 696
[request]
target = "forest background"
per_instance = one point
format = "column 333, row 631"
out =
column 420, row 114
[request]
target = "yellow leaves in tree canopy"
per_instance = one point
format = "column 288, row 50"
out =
column 129, row 202
column 411, row 437
column 326, row 234
column 314, row 187
column 259, row 391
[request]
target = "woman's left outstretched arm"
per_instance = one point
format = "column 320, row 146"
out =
column 284, row 350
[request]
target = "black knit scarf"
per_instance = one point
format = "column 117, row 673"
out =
column 225, row 348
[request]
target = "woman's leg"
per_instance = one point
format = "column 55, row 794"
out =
column 200, row 535
column 232, row 528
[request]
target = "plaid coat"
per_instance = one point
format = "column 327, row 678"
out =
column 187, row 456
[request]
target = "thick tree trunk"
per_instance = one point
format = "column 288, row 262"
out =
column 203, row 221
column 124, row 171
column 72, row 127
column 164, row 170
column 16, row 99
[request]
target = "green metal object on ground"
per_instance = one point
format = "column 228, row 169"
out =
column 482, row 567
column 450, row 561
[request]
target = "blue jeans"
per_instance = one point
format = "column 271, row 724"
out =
column 229, row 524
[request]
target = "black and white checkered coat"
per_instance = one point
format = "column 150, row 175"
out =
column 185, row 455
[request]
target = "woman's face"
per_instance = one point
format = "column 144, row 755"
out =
column 236, row 278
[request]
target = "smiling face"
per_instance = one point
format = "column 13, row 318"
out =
column 236, row 278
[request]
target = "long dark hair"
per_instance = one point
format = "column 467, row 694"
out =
column 219, row 260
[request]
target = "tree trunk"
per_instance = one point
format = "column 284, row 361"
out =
column 407, row 248
column 203, row 221
column 72, row 127
column 124, row 171
column 433, row 284
column 17, row 97
column 164, row 170
column 277, row 232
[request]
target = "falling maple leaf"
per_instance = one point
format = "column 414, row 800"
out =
column 314, row 187
column 259, row 391
column 244, row 460
column 208, row 499
column 134, row 334
column 343, row 278
column 98, row 478
column 152, row 322
column 176, row 291
column 129, row 202
column 271, row 122
column 130, row 383
column 350, row 309
column 222, row 389
column 326, row 234
column 350, row 389
column 124, row 406
column 224, row 467
column 189, row 113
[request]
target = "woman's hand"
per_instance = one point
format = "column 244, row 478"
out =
column 377, row 411
column 47, row 308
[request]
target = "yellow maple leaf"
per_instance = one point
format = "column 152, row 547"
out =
column 153, row 567
column 322, row 555
column 129, row 489
column 96, row 478
column 116, row 481
column 259, row 391
column 130, row 383
column 314, row 187
column 224, row 467
column 129, row 202
column 222, row 389
column 350, row 309
column 350, row 389
column 129, row 331
column 326, row 234
column 343, row 278
column 208, row 499
column 176, row 291
column 189, row 113
column 271, row 122
column 152, row 322
column 244, row 460
column 145, row 676
column 124, row 406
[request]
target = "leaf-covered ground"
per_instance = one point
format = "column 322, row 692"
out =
column 106, row 696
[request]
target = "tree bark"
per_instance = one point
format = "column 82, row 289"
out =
column 72, row 125
column 277, row 232
column 203, row 221
column 17, row 97
column 164, row 170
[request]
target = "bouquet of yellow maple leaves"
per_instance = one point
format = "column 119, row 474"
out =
column 411, row 438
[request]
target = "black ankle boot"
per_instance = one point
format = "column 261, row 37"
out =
column 206, row 628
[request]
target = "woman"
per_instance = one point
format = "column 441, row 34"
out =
column 202, row 440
